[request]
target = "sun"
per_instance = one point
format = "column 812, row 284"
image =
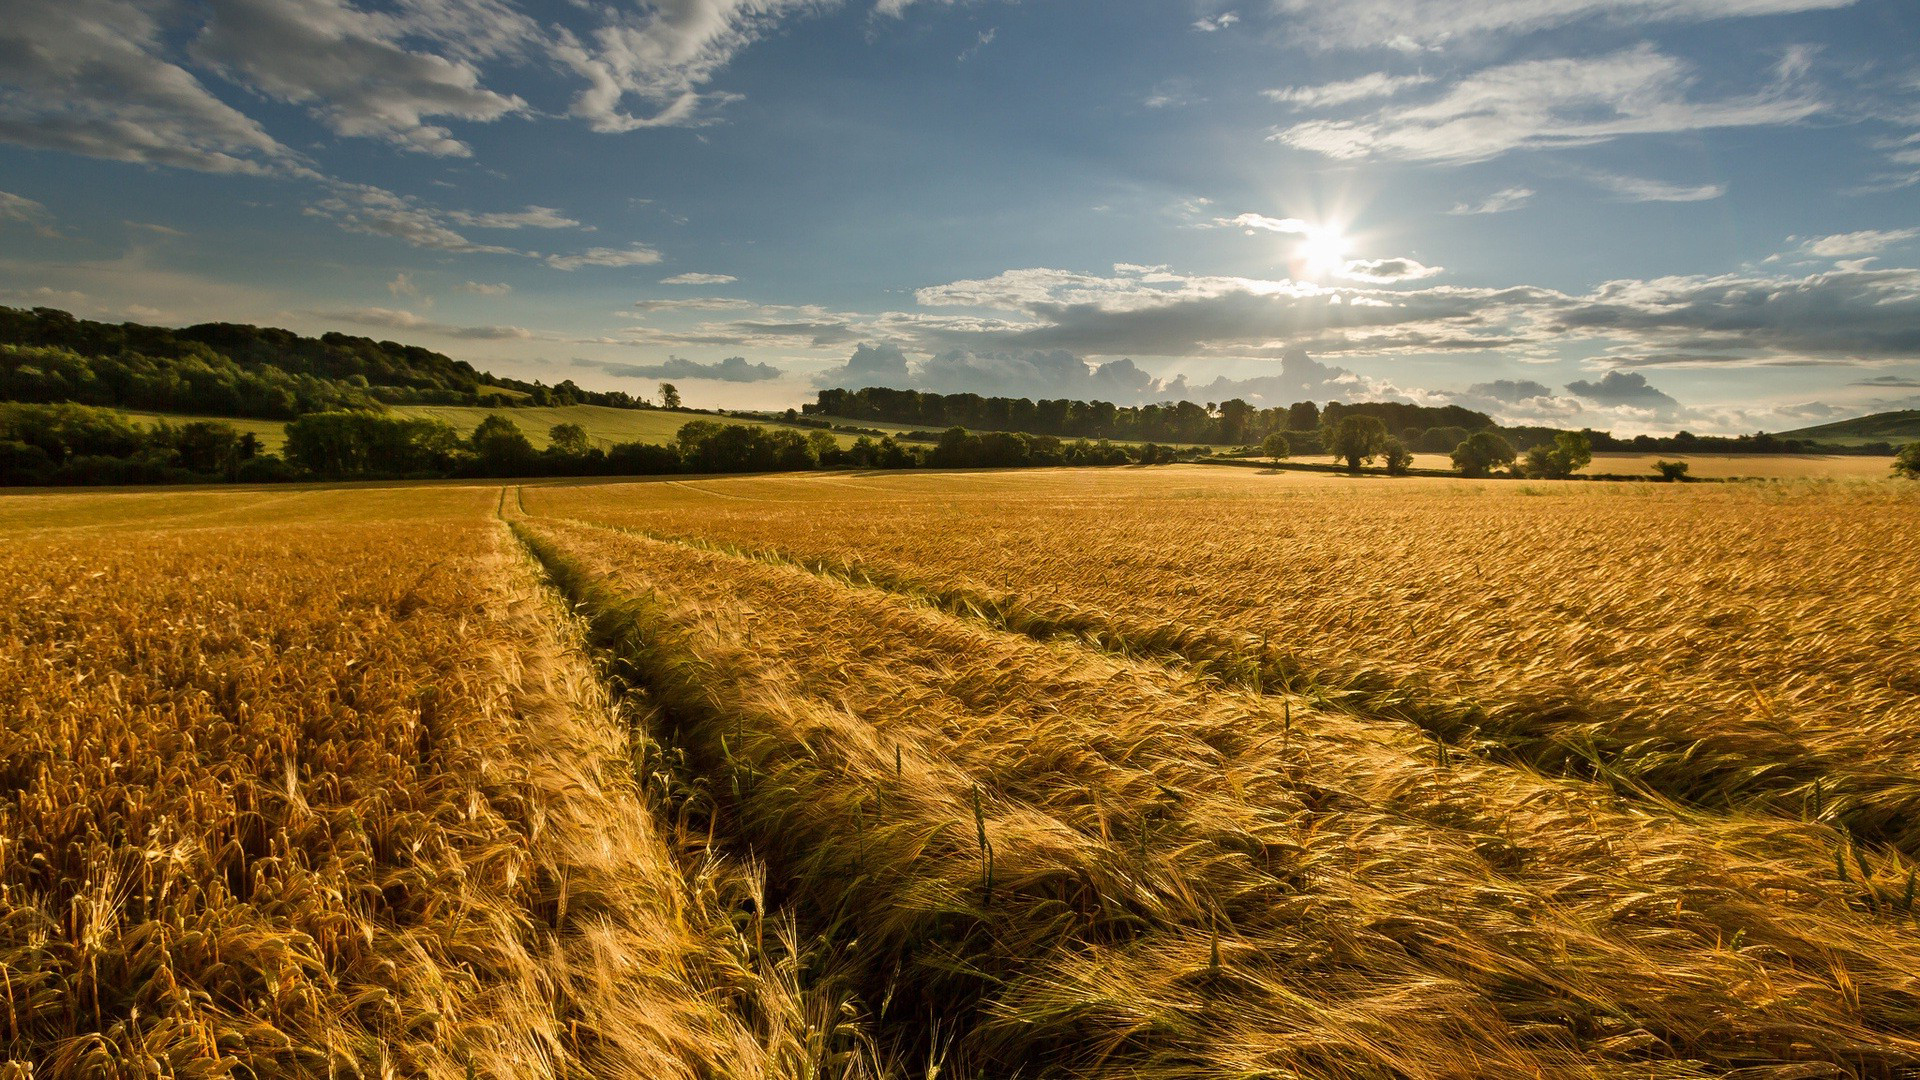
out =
column 1322, row 251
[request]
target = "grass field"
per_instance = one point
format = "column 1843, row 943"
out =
column 1182, row 772
column 604, row 425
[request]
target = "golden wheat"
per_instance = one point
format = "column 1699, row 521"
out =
column 1167, row 874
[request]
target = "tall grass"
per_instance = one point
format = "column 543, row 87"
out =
column 331, row 800
column 1117, row 869
column 1727, row 647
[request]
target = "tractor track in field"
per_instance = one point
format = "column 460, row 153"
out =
column 1557, row 737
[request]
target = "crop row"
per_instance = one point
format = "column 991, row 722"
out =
column 1728, row 649
column 1055, row 855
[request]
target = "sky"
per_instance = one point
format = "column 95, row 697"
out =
column 1636, row 215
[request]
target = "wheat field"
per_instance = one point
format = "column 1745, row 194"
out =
column 1171, row 773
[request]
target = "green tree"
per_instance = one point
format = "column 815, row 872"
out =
column 1671, row 471
column 500, row 445
column 568, row 439
column 1398, row 458
column 1480, row 452
column 1571, row 451
column 1356, row 438
column 669, row 396
column 1907, row 462
column 1275, row 447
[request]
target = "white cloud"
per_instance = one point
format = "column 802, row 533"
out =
column 533, row 217
column 699, row 279
column 478, row 288
column 1209, row 24
column 351, row 70
column 637, row 255
column 86, row 77
column 1386, row 271
column 1864, row 242
column 1639, row 189
column 402, row 285
column 1413, row 25
column 364, row 208
column 1263, row 223
column 663, row 56
column 1497, row 203
column 21, row 209
column 1376, row 85
column 1547, row 103
column 393, row 319
column 985, row 39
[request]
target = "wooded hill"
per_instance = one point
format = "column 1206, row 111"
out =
column 233, row 369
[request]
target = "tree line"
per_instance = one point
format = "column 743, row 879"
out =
column 232, row 369
column 1228, row 423
column 77, row 444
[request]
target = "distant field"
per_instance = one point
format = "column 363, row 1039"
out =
column 604, row 425
column 1167, row 773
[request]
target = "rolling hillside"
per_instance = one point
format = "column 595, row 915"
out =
column 1895, row 427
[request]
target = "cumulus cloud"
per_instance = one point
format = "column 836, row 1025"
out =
column 699, row 279
column 870, row 365
column 350, row 69
column 1387, row 271
column 88, row 77
column 1211, row 24
column 1510, row 390
column 637, row 255
column 1375, row 85
column 734, row 369
column 1864, row 242
column 1548, row 103
column 1414, row 25
column 1623, row 388
column 402, row 285
column 1497, row 203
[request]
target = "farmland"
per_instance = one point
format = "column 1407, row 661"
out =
column 1175, row 773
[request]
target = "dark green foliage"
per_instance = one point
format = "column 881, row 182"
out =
column 230, row 369
column 1907, row 462
column 1275, row 446
column 1481, row 452
column 1233, row 422
column 1571, row 451
column 77, row 444
column 341, row 444
column 1354, row 437
column 1671, row 471
column 1396, row 456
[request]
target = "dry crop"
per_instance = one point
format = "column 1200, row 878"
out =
column 1118, row 869
column 1725, row 646
column 344, row 800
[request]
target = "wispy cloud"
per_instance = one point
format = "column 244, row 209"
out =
column 1414, row 25
column 734, row 369
column 1548, row 103
column 1213, row 24
column 1499, row 202
column 533, row 217
column 1640, row 189
column 1864, row 242
column 637, row 255
column 1366, row 87
column 699, row 279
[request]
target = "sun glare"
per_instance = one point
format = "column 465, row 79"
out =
column 1321, row 252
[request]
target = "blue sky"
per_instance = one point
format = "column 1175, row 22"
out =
column 1634, row 215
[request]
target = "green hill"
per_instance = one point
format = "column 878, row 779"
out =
column 1895, row 427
